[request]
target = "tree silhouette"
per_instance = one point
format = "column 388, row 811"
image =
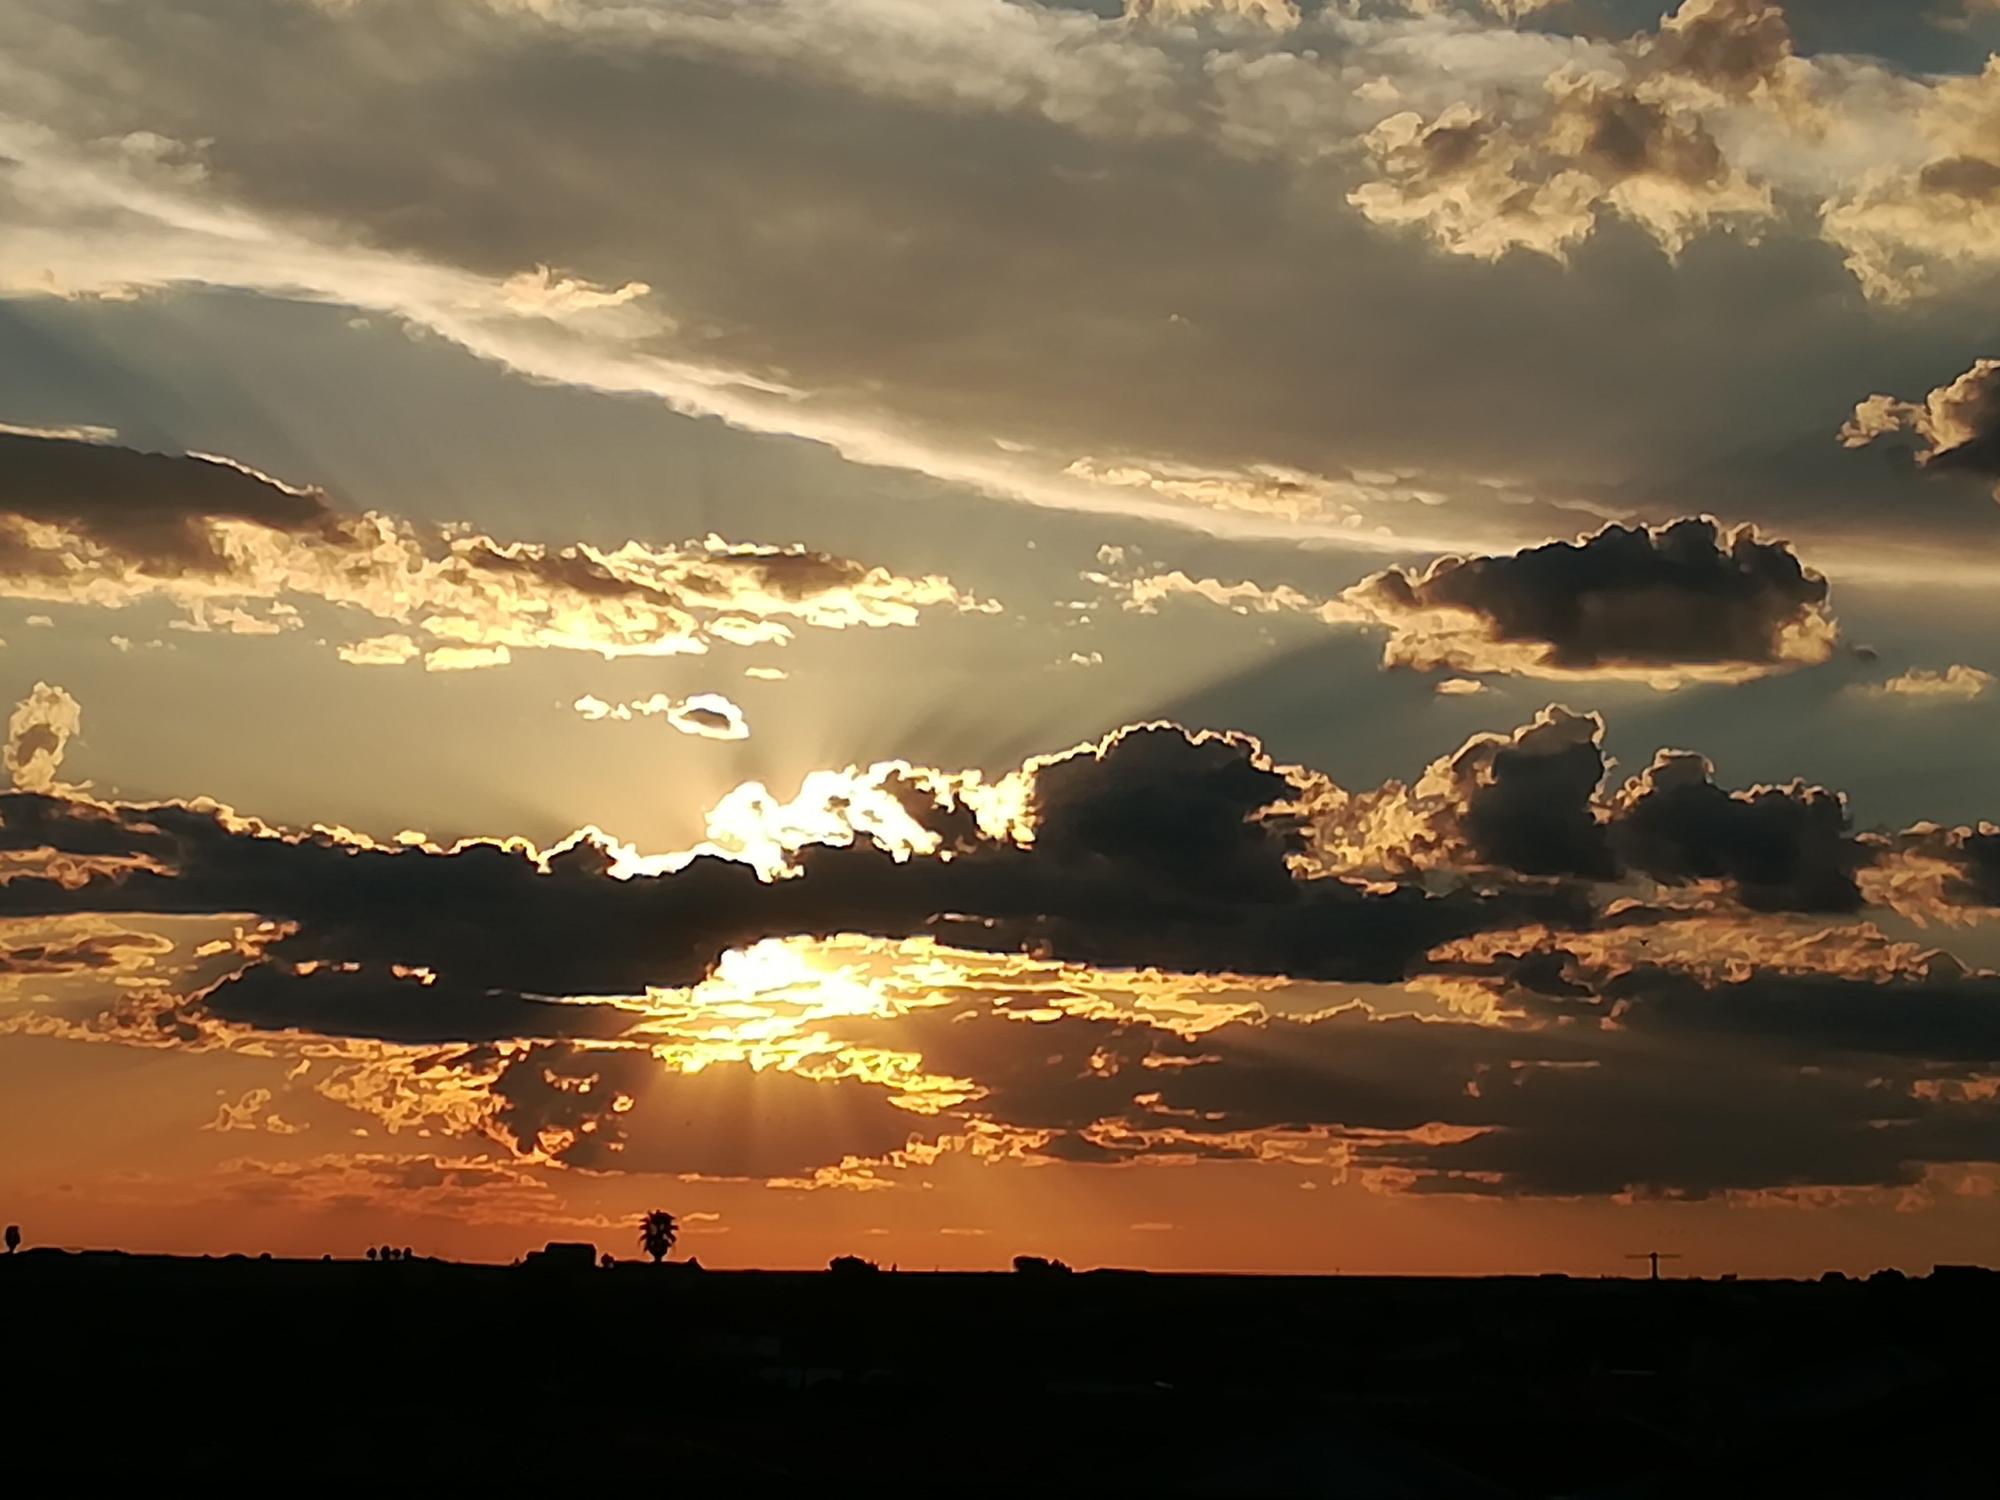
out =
column 13, row 1238
column 852, row 1265
column 657, row 1233
column 1035, row 1265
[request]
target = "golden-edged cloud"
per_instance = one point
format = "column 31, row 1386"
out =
column 706, row 715
column 38, row 734
column 1668, row 606
column 1956, row 426
column 92, row 524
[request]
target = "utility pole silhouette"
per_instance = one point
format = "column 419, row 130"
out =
column 1654, row 1257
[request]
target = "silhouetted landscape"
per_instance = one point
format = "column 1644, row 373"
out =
column 566, row 1369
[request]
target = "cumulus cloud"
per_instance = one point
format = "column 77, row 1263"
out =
column 1740, row 48
column 1916, row 230
column 1783, row 848
column 707, row 715
column 1525, row 802
column 1957, row 682
column 1957, row 426
column 1669, row 605
column 1482, row 185
column 1533, row 803
column 94, row 524
column 1687, row 602
column 38, row 733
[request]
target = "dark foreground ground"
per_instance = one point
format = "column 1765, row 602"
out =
column 302, row 1376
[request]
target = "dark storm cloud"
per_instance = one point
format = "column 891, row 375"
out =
column 1152, row 849
column 1785, row 848
column 1687, row 597
column 1533, row 803
column 357, row 1003
column 1529, row 801
column 1952, row 1021
column 481, row 916
column 1157, row 848
column 152, row 504
column 1191, row 812
column 1687, row 1098
column 1583, row 1111
column 1691, row 1125
column 1977, row 853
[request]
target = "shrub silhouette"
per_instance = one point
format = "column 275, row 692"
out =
column 852, row 1265
column 657, row 1233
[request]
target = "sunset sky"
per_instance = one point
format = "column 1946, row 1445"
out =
column 1236, row 634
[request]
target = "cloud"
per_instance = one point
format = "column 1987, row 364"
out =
column 1686, row 602
column 1671, row 605
column 38, row 733
column 42, row 950
column 708, row 715
column 1701, row 1092
column 1936, row 873
column 92, row 524
column 1154, row 847
column 1146, row 594
column 379, row 651
column 1481, row 185
column 1783, row 848
column 1957, row 426
column 1525, row 802
column 465, row 658
column 1279, row 15
column 604, row 1110
column 1921, row 684
column 1225, row 353
column 1740, row 48
column 405, row 1007
column 1031, row 989
column 1918, row 230
column 1532, row 803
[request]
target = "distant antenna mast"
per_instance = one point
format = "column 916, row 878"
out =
column 1654, row 1257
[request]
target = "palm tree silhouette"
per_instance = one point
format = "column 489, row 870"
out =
column 657, row 1233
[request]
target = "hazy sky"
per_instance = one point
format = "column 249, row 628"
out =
column 1215, row 633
